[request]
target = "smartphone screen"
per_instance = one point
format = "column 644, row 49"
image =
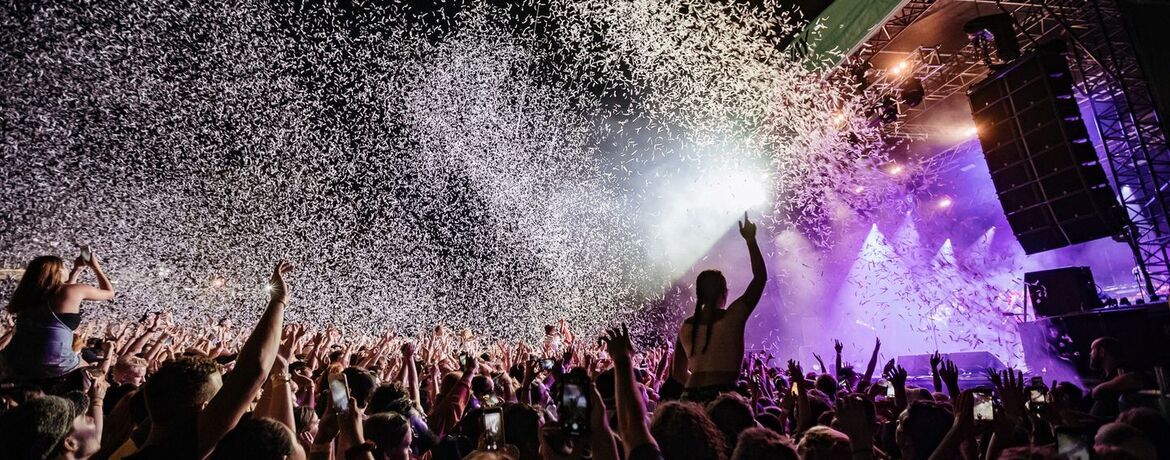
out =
column 547, row 364
column 574, row 408
column 86, row 254
column 984, row 407
column 890, row 392
column 1071, row 446
column 493, row 428
column 339, row 391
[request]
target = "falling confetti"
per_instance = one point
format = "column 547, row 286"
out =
column 467, row 164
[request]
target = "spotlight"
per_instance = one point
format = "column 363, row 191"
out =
column 945, row 202
column 912, row 92
column 896, row 169
column 968, row 132
column 859, row 189
column 899, row 67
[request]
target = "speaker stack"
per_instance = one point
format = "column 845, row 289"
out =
column 1044, row 168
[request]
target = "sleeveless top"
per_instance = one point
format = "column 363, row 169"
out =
column 41, row 347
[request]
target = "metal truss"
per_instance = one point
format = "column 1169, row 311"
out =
column 910, row 12
column 1110, row 78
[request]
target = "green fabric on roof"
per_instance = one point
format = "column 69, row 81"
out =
column 841, row 27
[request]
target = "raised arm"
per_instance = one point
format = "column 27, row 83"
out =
column 252, row 367
column 751, row 296
column 412, row 383
column 869, row 368
column 103, row 291
column 631, row 409
column 935, row 360
column 837, row 347
column 276, row 401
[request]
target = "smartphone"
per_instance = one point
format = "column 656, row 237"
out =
column 573, row 407
column 493, row 428
column 1071, row 444
column 1037, row 399
column 339, row 392
column 547, row 364
column 984, row 405
column 86, row 254
column 463, row 359
column 890, row 391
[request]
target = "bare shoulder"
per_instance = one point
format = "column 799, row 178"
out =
column 739, row 308
column 68, row 298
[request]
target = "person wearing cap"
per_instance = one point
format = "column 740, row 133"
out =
column 51, row 428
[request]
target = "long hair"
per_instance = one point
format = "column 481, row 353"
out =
column 42, row 278
column 710, row 289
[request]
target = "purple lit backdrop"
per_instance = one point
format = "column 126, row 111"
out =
column 934, row 278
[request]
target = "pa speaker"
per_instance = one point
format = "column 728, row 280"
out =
column 1061, row 291
column 1044, row 169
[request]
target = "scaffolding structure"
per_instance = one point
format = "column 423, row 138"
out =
column 1106, row 69
column 1108, row 76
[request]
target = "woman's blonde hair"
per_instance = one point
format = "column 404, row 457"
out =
column 42, row 278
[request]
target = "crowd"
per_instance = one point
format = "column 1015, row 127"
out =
column 152, row 390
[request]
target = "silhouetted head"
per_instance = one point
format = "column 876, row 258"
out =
column 711, row 289
column 180, row 388
column 823, row 443
column 732, row 414
column 683, row 430
column 1106, row 354
column 42, row 277
column 921, row 428
column 710, row 295
column 391, row 433
column 763, row 443
column 259, row 438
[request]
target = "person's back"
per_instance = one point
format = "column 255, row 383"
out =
column 715, row 355
column 712, row 338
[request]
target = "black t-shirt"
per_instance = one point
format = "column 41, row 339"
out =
column 115, row 394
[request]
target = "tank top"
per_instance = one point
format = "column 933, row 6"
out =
column 41, row 347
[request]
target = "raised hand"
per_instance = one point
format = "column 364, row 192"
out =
column 897, row 376
column 837, row 346
column 796, row 373
column 1010, row 385
column 747, row 228
column 935, row 360
column 949, row 373
column 279, row 288
column 617, row 343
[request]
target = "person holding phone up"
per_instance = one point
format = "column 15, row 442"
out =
column 47, row 307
